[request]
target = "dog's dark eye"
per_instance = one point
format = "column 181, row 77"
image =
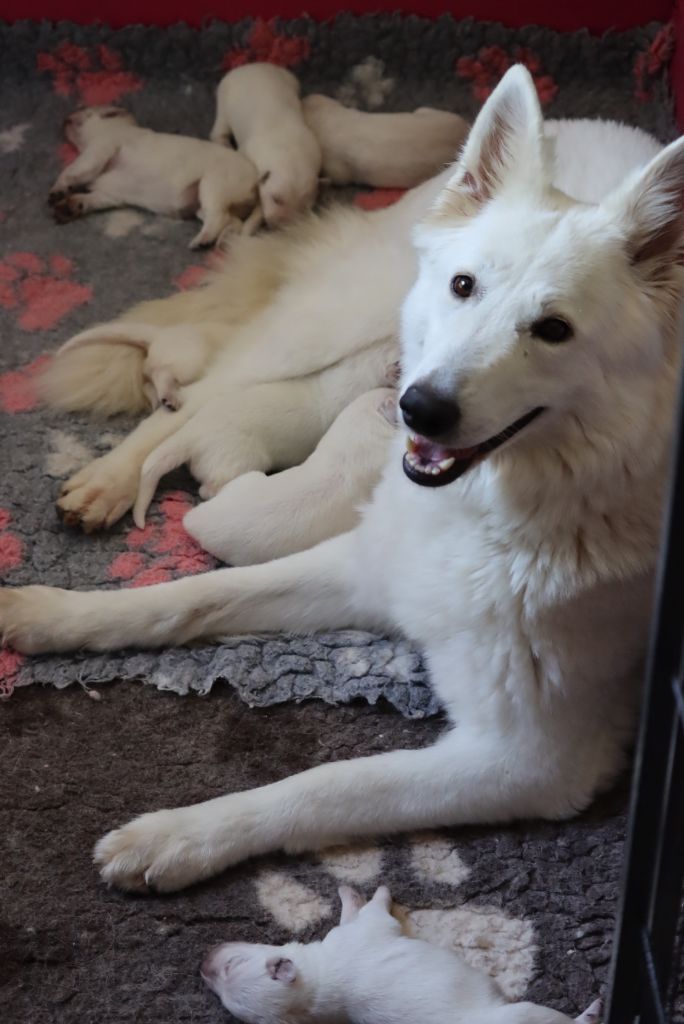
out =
column 552, row 329
column 462, row 285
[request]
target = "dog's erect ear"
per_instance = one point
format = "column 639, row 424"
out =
column 281, row 969
column 504, row 145
column 651, row 206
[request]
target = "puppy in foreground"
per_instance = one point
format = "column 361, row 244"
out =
column 122, row 164
column 515, row 530
column 383, row 150
column 365, row 971
column 259, row 106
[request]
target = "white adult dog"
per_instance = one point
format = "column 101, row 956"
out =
column 515, row 539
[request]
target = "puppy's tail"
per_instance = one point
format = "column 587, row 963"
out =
column 100, row 370
column 170, row 454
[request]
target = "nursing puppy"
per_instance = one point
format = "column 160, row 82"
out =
column 365, row 971
column 514, row 538
column 383, row 150
column 259, row 106
column 122, row 164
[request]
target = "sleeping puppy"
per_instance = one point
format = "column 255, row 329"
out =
column 122, row 164
column 383, row 150
column 258, row 105
column 365, row 971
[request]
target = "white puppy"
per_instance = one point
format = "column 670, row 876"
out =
column 175, row 356
column 257, row 517
column 365, row 971
column 383, row 150
column 259, row 105
column 122, row 164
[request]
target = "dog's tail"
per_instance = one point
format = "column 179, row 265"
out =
column 100, row 370
column 170, row 454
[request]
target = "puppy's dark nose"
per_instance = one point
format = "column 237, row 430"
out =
column 427, row 412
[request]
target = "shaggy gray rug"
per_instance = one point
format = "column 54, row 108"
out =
column 57, row 280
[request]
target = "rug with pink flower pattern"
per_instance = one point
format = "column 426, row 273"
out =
column 55, row 280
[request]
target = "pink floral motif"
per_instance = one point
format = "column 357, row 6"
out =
column 266, row 44
column 379, row 198
column 197, row 272
column 649, row 64
column 66, row 153
column 492, row 62
column 92, row 76
column 40, row 292
column 162, row 550
column 18, row 390
column 11, row 545
column 10, row 663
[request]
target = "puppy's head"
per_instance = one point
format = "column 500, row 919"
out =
column 80, row 125
column 258, row 984
column 537, row 323
column 284, row 197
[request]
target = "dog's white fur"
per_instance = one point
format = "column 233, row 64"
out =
column 365, row 971
column 383, row 150
column 259, row 105
column 528, row 582
column 122, row 164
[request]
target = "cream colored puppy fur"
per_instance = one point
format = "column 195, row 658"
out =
column 383, row 150
column 259, row 105
column 122, row 164
column 527, row 581
column 365, row 971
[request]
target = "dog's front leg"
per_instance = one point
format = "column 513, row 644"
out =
column 82, row 171
column 312, row 590
column 462, row 779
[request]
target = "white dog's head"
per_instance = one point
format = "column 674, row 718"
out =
column 84, row 123
column 535, row 318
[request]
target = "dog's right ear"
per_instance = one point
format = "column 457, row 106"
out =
column 280, row 968
column 505, row 147
column 351, row 901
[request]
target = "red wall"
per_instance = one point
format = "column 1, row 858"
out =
column 596, row 15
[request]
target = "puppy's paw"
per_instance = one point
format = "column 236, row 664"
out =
column 97, row 496
column 57, row 195
column 68, row 208
column 30, row 618
column 159, row 852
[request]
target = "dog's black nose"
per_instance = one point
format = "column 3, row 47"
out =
column 427, row 412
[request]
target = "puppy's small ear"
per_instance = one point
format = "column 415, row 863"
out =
column 592, row 1014
column 281, row 969
column 351, row 901
column 651, row 205
column 382, row 896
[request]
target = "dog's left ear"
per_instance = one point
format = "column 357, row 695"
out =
column 651, row 206
column 505, row 146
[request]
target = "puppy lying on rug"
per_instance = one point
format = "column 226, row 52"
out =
column 515, row 539
column 365, row 971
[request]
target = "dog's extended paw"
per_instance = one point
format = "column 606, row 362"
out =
column 30, row 618
column 97, row 496
column 57, row 195
column 158, row 852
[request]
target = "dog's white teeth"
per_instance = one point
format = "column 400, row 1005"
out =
column 446, row 464
column 435, row 470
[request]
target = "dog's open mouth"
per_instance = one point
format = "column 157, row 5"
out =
column 433, row 465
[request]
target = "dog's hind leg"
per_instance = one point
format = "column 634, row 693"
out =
column 258, row 517
column 104, row 490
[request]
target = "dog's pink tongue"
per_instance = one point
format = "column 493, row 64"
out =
column 430, row 451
